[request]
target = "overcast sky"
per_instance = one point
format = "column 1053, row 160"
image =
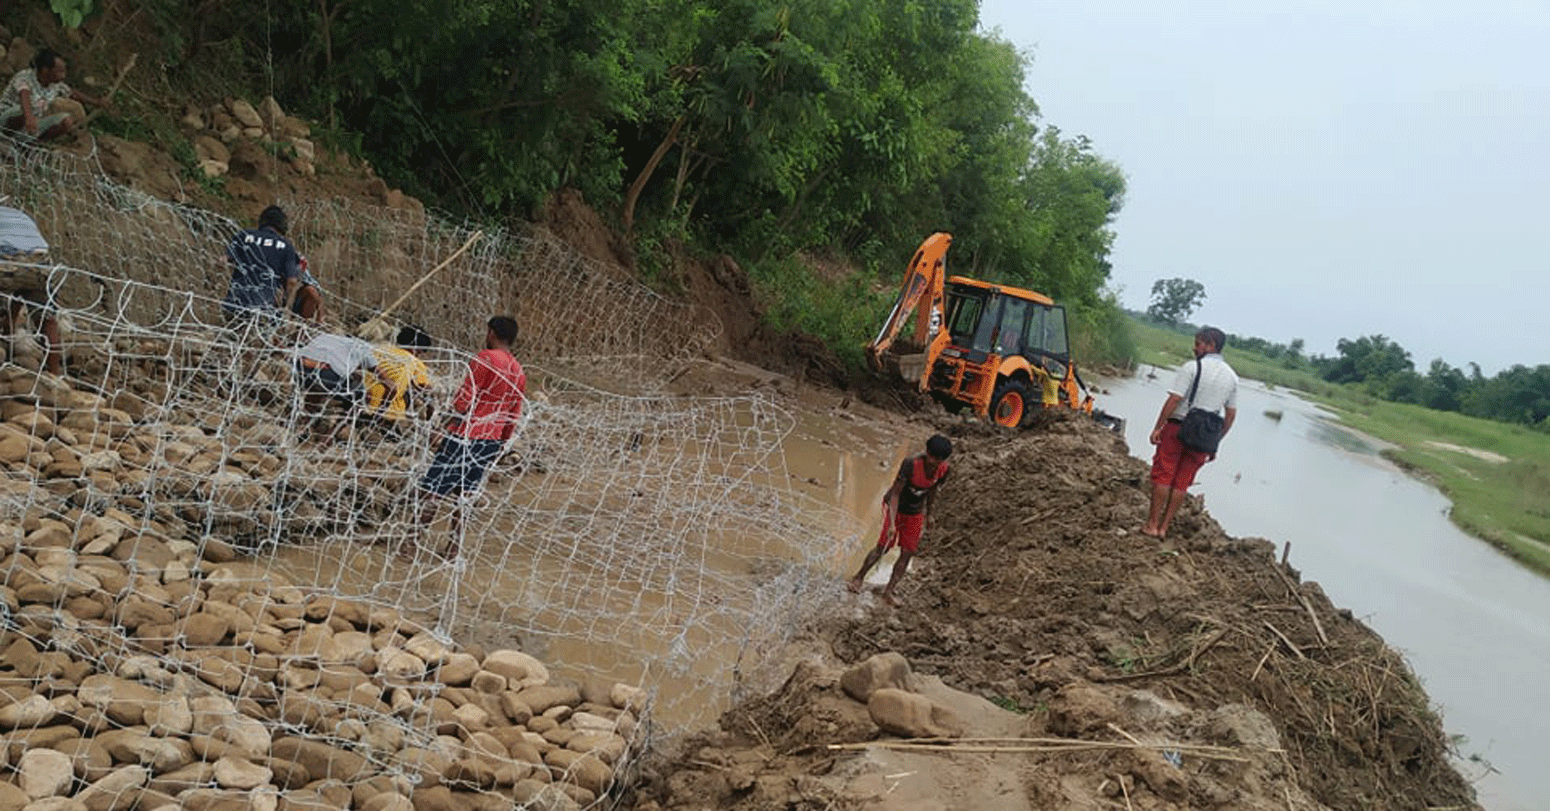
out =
column 1326, row 168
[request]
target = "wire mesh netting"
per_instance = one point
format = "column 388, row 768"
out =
column 627, row 534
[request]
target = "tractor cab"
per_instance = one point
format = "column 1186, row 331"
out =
column 1007, row 349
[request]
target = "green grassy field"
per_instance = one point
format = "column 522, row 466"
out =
column 1496, row 474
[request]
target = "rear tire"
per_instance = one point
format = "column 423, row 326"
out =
column 1009, row 403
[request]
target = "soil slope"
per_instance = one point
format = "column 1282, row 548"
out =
column 1034, row 591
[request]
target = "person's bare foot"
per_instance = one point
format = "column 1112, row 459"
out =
column 888, row 597
column 854, row 585
column 1147, row 531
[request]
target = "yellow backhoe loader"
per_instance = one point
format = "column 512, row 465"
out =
column 998, row 350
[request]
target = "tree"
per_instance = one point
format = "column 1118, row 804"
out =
column 1368, row 359
column 1174, row 299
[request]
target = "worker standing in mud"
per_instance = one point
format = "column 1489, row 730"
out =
column 488, row 407
column 1212, row 386
column 905, row 507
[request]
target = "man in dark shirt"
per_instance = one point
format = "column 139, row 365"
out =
column 265, row 269
column 904, row 512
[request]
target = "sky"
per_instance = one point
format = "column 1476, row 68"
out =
column 1325, row 168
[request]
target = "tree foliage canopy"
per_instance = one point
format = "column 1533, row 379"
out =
column 846, row 127
column 1174, row 299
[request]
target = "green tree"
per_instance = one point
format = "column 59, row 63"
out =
column 1174, row 299
column 1369, row 358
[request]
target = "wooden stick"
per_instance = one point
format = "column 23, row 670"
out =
column 1277, row 632
column 1170, row 671
column 1262, row 661
column 1127, row 735
column 1065, row 745
column 112, row 89
column 386, row 311
column 1308, row 607
column 1126, row 792
column 1286, row 552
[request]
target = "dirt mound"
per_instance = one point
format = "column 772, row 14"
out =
column 1035, row 591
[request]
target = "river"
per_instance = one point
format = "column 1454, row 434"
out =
column 1470, row 620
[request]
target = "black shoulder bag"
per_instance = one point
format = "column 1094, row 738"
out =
column 1201, row 430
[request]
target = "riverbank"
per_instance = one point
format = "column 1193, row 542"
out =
column 1198, row 673
column 1495, row 474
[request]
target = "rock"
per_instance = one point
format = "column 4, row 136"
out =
column 44, row 773
column 425, row 765
column 427, row 648
column 607, row 746
column 115, row 791
column 244, row 113
column 29, row 713
column 399, row 664
column 523, row 670
column 305, row 150
column 586, row 771
column 545, row 697
column 486, row 682
column 90, row 760
column 321, row 760
column 124, row 701
column 202, row 630
column 236, row 773
column 388, row 801
column 217, row 717
column 171, row 717
column 270, row 110
column 628, row 697
column 457, row 669
column 910, row 715
column 882, row 670
column 135, row 745
column 12, row 798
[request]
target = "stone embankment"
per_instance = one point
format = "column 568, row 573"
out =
column 146, row 664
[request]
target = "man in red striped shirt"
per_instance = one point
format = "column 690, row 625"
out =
column 488, row 406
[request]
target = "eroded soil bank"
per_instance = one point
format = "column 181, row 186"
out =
column 1203, row 672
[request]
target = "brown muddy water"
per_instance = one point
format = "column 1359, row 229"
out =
column 553, row 576
column 1470, row 620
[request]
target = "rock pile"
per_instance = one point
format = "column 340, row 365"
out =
column 231, row 132
column 144, row 663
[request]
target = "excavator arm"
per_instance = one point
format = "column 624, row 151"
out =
column 922, row 296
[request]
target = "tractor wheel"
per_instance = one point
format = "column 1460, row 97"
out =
column 1009, row 403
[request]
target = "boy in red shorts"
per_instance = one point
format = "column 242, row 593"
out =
column 904, row 512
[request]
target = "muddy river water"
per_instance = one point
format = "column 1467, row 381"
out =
column 1469, row 619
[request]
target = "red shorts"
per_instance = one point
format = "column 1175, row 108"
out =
column 1174, row 465
column 907, row 530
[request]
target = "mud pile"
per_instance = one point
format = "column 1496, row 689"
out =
column 1201, row 671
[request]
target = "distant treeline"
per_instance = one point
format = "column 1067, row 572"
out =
column 1383, row 368
column 846, row 129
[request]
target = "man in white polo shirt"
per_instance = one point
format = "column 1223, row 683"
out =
column 1174, row 465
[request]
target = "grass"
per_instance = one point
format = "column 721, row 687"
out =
column 1501, row 502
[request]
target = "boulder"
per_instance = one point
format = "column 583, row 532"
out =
column 521, row 669
column 124, row 701
column 44, row 773
column 457, row 669
column 116, row 790
column 244, row 113
column 542, row 698
column 911, row 715
column 237, row 773
column 888, row 669
column 320, row 759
